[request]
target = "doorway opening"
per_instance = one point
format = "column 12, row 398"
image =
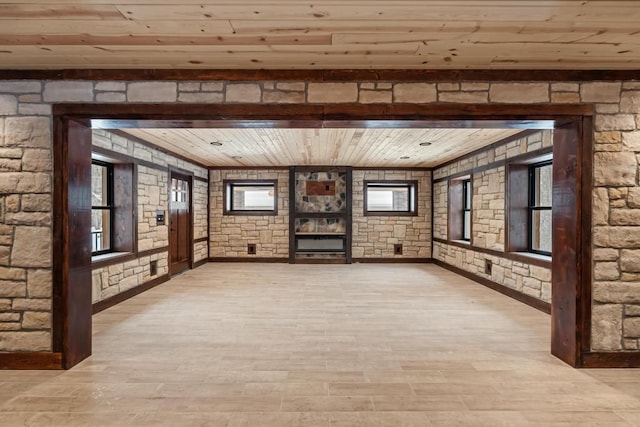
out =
column 571, row 282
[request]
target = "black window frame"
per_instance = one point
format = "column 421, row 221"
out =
column 533, row 207
column 467, row 195
column 412, row 206
column 109, row 207
column 228, row 185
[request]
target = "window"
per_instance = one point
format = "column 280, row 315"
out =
column 540, row 193
column 459, row 213
column 251, row 197
column 101, row 207
column 179, row 190
column 390, row 198
column 466, row 209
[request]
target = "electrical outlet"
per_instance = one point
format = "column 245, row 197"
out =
column 251, row 249
column 397, row 249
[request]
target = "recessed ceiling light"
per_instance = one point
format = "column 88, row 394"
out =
column 404, row 157
column 236, row 157
column 216, row 143
column 425, row 144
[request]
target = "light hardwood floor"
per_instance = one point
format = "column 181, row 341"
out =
column 321, row 345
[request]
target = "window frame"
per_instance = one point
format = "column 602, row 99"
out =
column 467, row 194
column 227, row 207
column 109, row 207
column 533, row 207
column 412, row 186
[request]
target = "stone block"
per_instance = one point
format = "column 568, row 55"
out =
column 417, row 93
column 600, row 92
column 10, row 289
column 332, row 92
column 633, row 197
column 617, row 292
column 25, row 341
column 201, row 97
column 617, row 237
column 111, row 86
column 243, row 92
column 152, row 92
column 631, row 140
column 8, row 105
column 373, row 97
column 625, row 217
column 464, row 97
column 68, row 91
column 540, row 273
column 630, row 102
column 279, row 97
column 605, row 254
column 291, row 86
column 519, row 93
column 632, row 310
column 27, row 132
column 630, row 260
column 36, row 320
column 31, row 247
column 632, row 327
column 10, row 165
column 39, row 283
column 212, row 86
column 600, row 206
column 606, row 271
column 565, row 97
column 606, row 327
column 615, row 169
column 36, row 203
column 111, row 97
column 609, row 122
column 37, row 160
column 20, row 86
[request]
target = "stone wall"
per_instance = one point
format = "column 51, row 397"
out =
column 25, row 172
column 374, row 236
column 230, row 234
column 488, row 219
column 152, row 196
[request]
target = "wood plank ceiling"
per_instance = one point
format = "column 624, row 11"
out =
column 322, row 34
column 327, row 146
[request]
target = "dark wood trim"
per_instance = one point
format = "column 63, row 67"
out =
column 129, row 293
column 209, row 213
column 71, row 293
column 292, row 214
column 516, row 116
column 409, row 182
column 148, row 144
column 275, row 260
column 497, row 164
column 349, row 213
column 225, row 195
column 327, row 75
column 200, row 179
column 28, row 361
column 519, row 135
column 397, row 260
column 200, row 240
column 391, row 168
column 601, row 359
column 128, row 159
column 248, row 168
column 514, row 256
column 585, row 203
column 322, row 261
column 545, row 307
column 200, row 263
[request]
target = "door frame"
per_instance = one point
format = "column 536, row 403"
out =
column 72, row 341
column 189, row 177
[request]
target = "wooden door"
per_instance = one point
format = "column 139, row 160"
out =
column 180, row 223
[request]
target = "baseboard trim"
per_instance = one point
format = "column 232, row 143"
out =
column 31, row 361
column 200, row 263
column 129, row 293
column 545, row 307
column 393, row 260
column 609, row 359
column 249, row 259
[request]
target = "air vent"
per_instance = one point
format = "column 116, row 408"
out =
column 153, row 268
column 251, row 249
column 397, row 249
column 487, row 266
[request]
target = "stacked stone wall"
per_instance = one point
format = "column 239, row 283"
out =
column 25, row 172
column 230, row 235
column 375, row 236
